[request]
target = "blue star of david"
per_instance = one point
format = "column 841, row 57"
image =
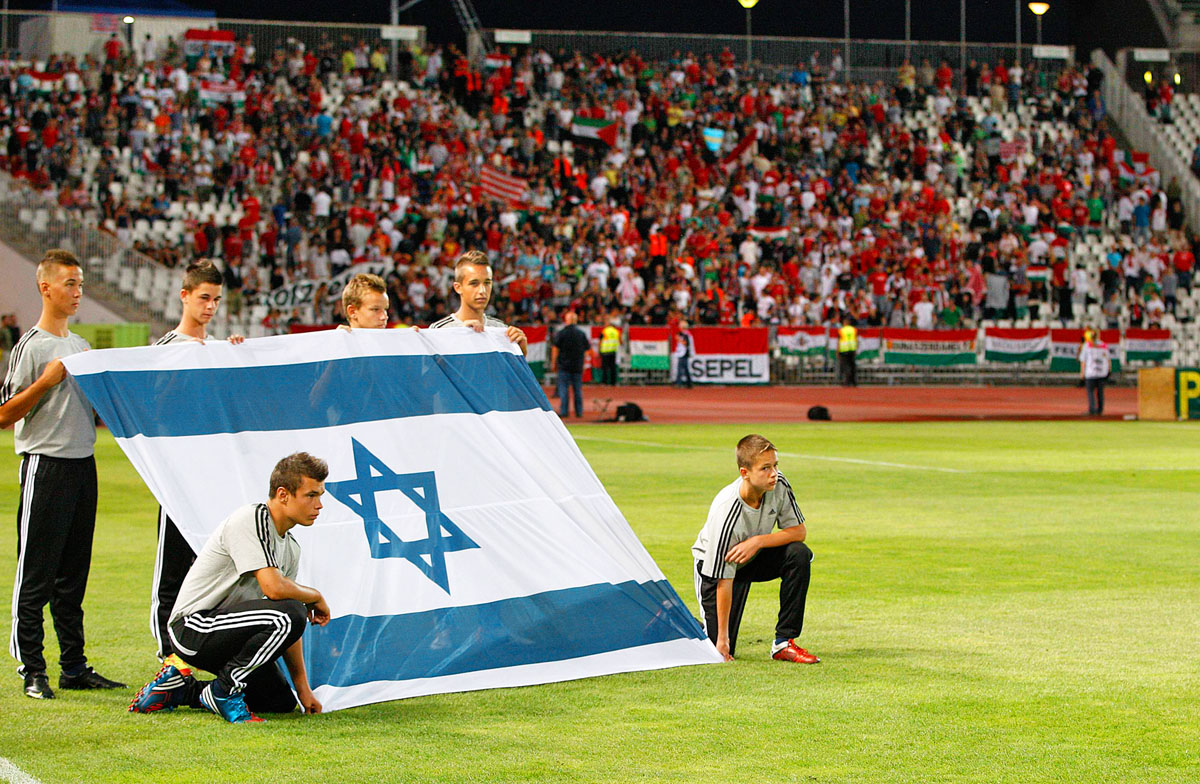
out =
column 373, row 476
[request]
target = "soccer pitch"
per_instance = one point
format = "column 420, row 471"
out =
column 992, row 602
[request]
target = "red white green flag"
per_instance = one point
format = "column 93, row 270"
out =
column 1065, row 344
column 602, row 130
column 1016, row 345
column 801, row 341
column 536, row 350
column 929, row 346
column 1148, row 345
column 649, row 348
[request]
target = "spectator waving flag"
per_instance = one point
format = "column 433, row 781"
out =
column 465, row 542
column 592, row 128
column 503, row 187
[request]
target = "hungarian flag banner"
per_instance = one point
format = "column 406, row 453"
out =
column 45, row 81
column 222, row 92
column 601, row 130
column 536, row 350
column 769, row 232
column 195, row 41
column 728, row 355
column 1148, row 345
column 649, row 348
column 1038, row 273
column 1065, row 344
column 497, row 60
column 501, row 186
column 869, row 341
column 801, row 341
column 1016, row 345
column 929, row 346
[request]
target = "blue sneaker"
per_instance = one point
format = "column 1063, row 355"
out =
column 231, row 707
column 167, row 691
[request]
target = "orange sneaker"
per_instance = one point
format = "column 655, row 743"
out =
column 790, row 651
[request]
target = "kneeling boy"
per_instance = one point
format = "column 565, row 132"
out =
column 736, row 547
column 239, row 608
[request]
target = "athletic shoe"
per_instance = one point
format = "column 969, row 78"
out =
column 231, row 707
column 790, row 651
column 88, row 679
column 166, row 691
column 37, row 686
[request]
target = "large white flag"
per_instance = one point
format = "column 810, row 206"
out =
column 465, row 542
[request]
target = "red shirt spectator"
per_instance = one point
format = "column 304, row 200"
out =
column 232, row 247
column 251, row 207
column 944, row 76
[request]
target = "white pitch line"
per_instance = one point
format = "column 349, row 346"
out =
column 14, row 775
column 824, row 458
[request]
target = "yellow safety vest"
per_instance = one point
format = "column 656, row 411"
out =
column 847, row 339
column 610, row 340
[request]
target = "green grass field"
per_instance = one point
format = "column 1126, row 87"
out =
column 1031, row 615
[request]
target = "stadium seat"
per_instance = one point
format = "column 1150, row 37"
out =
column 126, row 280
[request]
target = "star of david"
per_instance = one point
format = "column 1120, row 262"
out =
column 442, row 535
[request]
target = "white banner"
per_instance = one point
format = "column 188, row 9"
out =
column 465, row 542
column 300, row 293
column 726, row 368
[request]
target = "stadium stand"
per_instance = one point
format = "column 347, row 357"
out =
column 687, row 187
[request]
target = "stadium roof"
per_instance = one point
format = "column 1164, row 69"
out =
column 138, row 8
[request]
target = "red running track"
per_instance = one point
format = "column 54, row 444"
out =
column 859, row 404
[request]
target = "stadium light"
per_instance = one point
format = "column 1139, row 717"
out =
column 128, row 20
column 748, row 4
column 1039, row 9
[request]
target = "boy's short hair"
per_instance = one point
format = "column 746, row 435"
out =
column 289, row 472
column 55, row 257
column 473, row 257
column 750, row 447
column 201, row 271
column 358, row 286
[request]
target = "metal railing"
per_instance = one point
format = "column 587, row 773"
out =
column 869, row 60
column 268, row 35
column 134, row 286
column 1128, row 110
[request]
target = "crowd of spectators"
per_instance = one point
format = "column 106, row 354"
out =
column 933, row 200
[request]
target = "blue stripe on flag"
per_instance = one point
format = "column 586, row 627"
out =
column 545, row 627
column 310, row 395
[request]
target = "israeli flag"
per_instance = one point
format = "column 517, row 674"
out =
column 465, row 541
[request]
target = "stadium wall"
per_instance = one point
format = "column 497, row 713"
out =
column 19, row 293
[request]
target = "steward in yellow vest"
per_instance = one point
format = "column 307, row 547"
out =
column 848, row 354
column 610, row 341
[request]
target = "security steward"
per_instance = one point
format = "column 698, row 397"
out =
column 610, row 341
column 848, row 354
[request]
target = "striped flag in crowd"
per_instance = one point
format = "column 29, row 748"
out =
column 504, row 187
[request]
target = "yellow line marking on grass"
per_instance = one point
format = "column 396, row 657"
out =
column 14, row 775
column 825, row 458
